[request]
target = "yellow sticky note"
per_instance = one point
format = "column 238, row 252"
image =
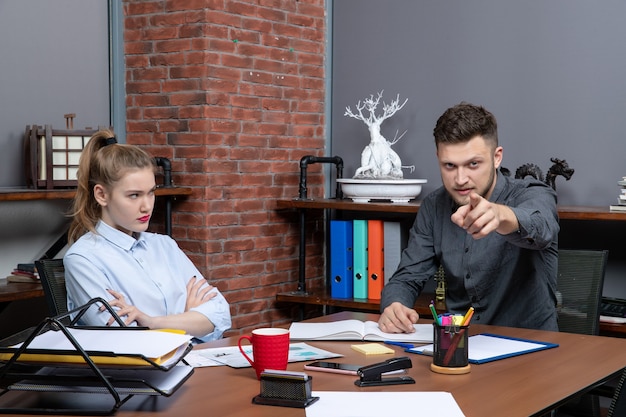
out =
column 372, row 349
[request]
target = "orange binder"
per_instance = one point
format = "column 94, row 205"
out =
column 375, row 258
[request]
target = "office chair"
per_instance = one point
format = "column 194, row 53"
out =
column 618, row 404
column 579, row 296
column 52, row 277
column 579, row 288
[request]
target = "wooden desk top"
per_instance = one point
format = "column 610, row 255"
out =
column 12, row 291
column 526, row 385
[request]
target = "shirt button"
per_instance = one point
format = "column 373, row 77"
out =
column 467, row 276
column 466, row 250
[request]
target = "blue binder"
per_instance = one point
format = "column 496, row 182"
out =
column 360, row 258
column 341, row 259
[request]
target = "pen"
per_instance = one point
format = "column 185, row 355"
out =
column 401, row 344
column 434, row 313
column 468, row 316
column 457, row 337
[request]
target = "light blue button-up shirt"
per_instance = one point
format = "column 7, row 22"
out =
column 151, row 271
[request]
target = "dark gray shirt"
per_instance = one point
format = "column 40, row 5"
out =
column 510, row 280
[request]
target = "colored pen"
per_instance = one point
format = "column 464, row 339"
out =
column 434, row 313
column 468, row 316
column 400, row 344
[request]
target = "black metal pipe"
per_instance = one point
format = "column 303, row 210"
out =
column 302, row 194
column 167, row 182
column 311, row 159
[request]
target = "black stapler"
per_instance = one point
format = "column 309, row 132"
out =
column 371, row 375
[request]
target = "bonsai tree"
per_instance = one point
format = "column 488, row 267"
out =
column 378, row 160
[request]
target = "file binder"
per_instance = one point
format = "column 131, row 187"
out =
column 341, row 259
column 359, row 252
column 375, row 258
column 394, row 243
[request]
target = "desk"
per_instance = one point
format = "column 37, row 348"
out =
column 523, row 386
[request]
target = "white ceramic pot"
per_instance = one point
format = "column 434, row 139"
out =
column 364, row 190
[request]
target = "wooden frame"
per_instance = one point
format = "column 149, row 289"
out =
column 52, row 155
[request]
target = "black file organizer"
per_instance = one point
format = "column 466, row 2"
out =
column 60, row 398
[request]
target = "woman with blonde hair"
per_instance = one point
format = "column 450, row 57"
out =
column 145, row 276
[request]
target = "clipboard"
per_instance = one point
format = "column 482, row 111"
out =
column 488, row 347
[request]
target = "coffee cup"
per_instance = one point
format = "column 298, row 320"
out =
column 270, row 349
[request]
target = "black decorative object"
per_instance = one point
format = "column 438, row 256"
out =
column 559, row 167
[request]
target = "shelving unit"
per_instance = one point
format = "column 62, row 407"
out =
column 26, row 194
column 579, row 213
column 565, row 212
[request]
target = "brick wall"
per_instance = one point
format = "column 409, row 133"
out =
column 233, row 93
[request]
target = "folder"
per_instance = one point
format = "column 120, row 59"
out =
column 341, row 258
column 106, row 346
column 394, row 243
column 488, row 347
column 359, row 252
column 375, row 258
column 125, row 381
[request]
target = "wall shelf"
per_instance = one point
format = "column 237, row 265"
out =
column 25, row 194
column 321, row 297
column 565, row 212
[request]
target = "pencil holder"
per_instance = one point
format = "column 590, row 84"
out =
column 451, row 348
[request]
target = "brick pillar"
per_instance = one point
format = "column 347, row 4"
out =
column 233, row 93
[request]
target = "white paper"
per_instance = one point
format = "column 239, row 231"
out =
column 149, row 343
column 377, row 404
column 483, row 347
column 231, row 356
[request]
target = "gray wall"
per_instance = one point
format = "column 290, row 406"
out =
column 552, row 72
column 54, row 60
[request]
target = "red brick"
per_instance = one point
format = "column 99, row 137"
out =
column 234, row 118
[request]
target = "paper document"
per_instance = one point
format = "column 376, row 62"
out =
column 377, row 404
column 131, row 381
column 231, row 356
column 150, row 343
column 490, row 347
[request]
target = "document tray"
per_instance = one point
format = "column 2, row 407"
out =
column 83, row 388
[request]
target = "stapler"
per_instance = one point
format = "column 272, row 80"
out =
column 371, row 375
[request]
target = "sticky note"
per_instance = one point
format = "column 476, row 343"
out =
column 372, row 349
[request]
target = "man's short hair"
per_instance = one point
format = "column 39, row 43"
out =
column 463, row 122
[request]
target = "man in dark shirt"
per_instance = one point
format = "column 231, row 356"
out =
column 496, row 237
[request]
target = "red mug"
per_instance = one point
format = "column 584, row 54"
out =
column 270, row 349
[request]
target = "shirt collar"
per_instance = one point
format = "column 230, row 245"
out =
column 499, row 188
column 117, row 237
